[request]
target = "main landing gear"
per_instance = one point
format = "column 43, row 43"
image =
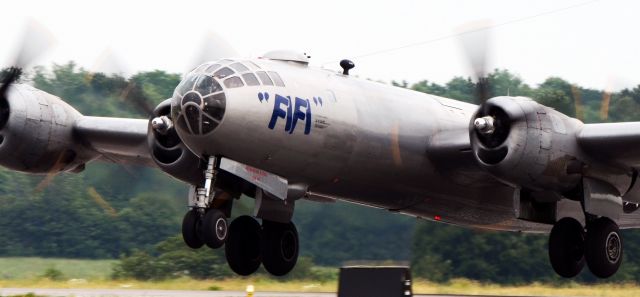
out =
column 247, row 243
column 599, row 246
column 273, row 244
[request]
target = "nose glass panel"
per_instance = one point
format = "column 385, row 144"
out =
column 198, row 103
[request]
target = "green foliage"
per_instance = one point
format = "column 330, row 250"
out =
column 443, row 252
column 53, row 274
column 171, row 258
column 339, row 232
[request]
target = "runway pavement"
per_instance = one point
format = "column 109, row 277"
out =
column 166, row 293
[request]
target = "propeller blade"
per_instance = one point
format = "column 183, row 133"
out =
column 35, row 41
column 474, row 39
column 577, row 101
column 604, row 108
column 60, row 163
column 93, row 193
column 213, row 47
column 606, row 101
column 132, row 93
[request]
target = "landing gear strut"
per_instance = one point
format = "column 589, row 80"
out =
column 204, row 224
column 600, row 247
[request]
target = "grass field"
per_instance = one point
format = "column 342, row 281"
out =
column 27, row 273
column 31, row 268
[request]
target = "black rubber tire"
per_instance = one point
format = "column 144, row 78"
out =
column 566, row 247
column 604, row 247
column 214, row 229
column 243, row 245
column 280, row 246
column 190, row 227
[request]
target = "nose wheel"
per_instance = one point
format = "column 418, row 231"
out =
column 600, row 247
column 199, row 229
column 190, row 229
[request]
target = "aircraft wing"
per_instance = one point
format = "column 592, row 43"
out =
column 117, row 140
column 612, row 142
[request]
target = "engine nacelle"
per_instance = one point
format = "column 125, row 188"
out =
column 170, row 153
column 36, row 132
column 526, row 144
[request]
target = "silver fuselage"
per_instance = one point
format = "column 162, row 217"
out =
column 369, row 143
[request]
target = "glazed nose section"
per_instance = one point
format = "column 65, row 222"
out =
column 192, row 107
column 199, row 104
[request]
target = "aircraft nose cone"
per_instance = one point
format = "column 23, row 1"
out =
column 192, row 106
column 192, row 98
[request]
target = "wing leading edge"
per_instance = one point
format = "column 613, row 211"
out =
column 117, row 140
column 612, row 142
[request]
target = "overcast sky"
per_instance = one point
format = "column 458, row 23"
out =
column 592, row 43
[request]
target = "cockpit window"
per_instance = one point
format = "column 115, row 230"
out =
column 233, row 82
column 264, row 78
column 207, row 85
column 211, row 68
column 276, row 79
column 201, row 68
column 239, row 67
column 250, row 79
column 224, row 72
column 187, row 84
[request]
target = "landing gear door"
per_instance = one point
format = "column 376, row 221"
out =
column 274, row 184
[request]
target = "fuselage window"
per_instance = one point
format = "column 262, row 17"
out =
column 233, row 82
column 250, row 79
column 239, row 67
column 276, row 78
column 211, row 68
column 224, row 72
column 264, row 78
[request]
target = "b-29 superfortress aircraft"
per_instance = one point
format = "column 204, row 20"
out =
column 277, row 130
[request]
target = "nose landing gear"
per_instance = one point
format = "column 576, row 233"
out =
column 600, row 247
column 203, row 223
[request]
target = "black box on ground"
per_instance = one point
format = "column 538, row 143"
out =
column 374, row 281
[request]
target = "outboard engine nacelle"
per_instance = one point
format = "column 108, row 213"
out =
column 36, row 132
column 526, row 144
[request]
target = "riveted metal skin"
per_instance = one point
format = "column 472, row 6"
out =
column 37, row 132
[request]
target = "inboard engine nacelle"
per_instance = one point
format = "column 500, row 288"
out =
column 526, row 144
